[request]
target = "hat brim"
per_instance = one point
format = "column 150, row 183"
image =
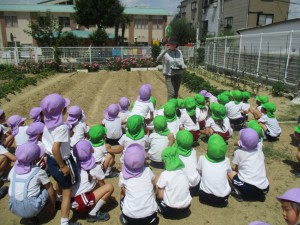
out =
column 67, row 102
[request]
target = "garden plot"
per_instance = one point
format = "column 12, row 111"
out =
column 95, row 91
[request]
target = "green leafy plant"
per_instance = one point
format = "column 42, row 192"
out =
column 278, row 88
column 155, row 50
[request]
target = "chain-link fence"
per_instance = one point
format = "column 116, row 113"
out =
column 272, row 56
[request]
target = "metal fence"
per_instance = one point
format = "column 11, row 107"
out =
column 273, row 56
column 74, row 55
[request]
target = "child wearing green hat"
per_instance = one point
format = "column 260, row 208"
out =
column 213, row 168
column 246, row 104
column 173, row 121
column 172, row 188
column 102, row 157
column 269, row 123
column 202, row 108
column 183, row 145
column 234, row 109
column 159, row 140
column 257, row 113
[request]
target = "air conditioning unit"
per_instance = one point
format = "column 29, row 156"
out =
column 215, row 4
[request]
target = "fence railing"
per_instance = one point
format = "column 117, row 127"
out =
column 273, row 56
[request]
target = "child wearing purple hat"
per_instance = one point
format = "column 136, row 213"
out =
column 56, row 140
column 249, row 175
column 258, row 223
column 18, row 129
column 290, row 204
column 36, row 114
column 138, row 205
column 86, row 196
column 209, row 97
column 143, row 106
column 124, row 104
column 113, row 124
column 79, row 129
column 31, row 192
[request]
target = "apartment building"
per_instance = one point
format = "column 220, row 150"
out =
column 189, row 9
column 146, row 24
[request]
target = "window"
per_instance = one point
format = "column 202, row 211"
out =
column 228, row 22
column 64, row 21
column 264, row 19
column 140, row 23
column 11, row 21
column 157, row 23
column 183, row 9
column 194, row 6
column 205, row 3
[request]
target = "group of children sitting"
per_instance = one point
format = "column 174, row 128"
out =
column 80, row 158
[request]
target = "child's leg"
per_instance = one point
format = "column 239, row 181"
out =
column 9, row 140
column 230, row 175
column 4, row 162
column 109, row 161
column 263, row 126
column 65, row 204
column 256, row 114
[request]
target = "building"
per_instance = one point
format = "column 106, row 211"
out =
column 189, row 9
column 146, row 24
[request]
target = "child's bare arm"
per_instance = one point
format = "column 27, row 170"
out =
column 160, row 192
column 10, row 156
column 171, row 139
column 118, row 150
column 57, row 156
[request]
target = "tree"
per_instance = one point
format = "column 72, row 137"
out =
column 102, row 13
column 67, row 38
column 183, row 31
column 122, row 21
column 45, row 29
column 98, row 37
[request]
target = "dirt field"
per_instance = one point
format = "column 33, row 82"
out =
column 95, row 91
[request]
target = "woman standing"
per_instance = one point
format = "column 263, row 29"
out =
column 173, row 66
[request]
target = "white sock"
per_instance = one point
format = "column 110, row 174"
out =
column 64, row 221
column 108, row 170
column 96, row 208
column 59, row 198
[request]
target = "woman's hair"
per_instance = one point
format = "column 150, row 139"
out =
column 220, row 123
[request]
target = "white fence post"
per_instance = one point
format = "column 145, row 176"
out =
column 225, row 52
column 122, row 52
column 90, row 53
column 214, row 49
column 35, row 55
column 240, row 47
column 288, row 56
column 16, row 56
column 258, row 60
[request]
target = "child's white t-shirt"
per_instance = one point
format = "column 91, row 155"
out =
column 150, row 126
column 203, row 113
column 213, row 99
column 126, row 141
column 83, row 185
column 142, row 108
column 214, row 176
column 174, row 126
column 251, row 167
column 124, row 115
column 245, row 106
column 21, row 137
column 34, row 186
column 190, row 168
column 114, row 128
column 210, row 122
column 157, row 143
column 139, row 201
column 233, row 110
column 188, row 123
column 58, row 134
column 177, row 188
column 3, row 150
column 79, row 133
column 272, row 125
column 99, row 152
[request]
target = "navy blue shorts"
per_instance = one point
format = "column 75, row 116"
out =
column 249, row 190
column 236, row 122
column 269, row 137
column 168, row 211
column 65, row 182
column 212, row 200
column 112, row 142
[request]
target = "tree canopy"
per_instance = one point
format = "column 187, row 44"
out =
column 183, row 31
column 102, row 13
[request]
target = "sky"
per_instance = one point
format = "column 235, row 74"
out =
column 169, row 5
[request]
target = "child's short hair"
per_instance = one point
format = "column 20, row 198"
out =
column 295, row 206
column 293, row 197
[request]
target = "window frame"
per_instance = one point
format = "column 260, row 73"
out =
column 226, row 20
column 263, row 14
column 9, row 22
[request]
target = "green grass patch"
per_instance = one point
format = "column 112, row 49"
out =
column 278, row 153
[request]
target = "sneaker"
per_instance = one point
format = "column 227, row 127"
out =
column 112, row 174
column 100, row 216
column 236, row 196
column 122, row 220
column 3, row 191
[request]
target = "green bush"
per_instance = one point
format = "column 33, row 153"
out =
column 155, row 50
column 278, row 88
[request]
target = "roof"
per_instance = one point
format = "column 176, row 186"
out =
column 71, row 9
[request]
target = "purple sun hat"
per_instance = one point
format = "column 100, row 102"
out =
column 34, row 130
column 203, row 92
column 124, row 104
column 83, row 153
column 292, row 195
column 258, row 223
column 248, row 139
column 112, row 112
column 52, row 106
column 14, row 122
column 208, row 95
column 35, row 114
column 144, row 93
column 134, row 159
column 25, row 155
column 73, row 114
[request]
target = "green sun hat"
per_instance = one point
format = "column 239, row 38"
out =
column 174, row 101
column 171, row 158
column 190, row 105
column 227, row 93
column 97, row 134
column 223, row 99
column 297, row 129
column 246, row 95
column 255, row 126
column 170, row 112
column 161, row 126
column 135, row 129
column 184, row 142
column 218, row 111
column 180, row 103
column 216, row 149
column 153, row 100
column 270, row 108
column 200, row 101
column 262, row 99
column 237, row 95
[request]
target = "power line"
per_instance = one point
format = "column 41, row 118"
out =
column 293, row 3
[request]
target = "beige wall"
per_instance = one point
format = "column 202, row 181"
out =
column 237, row 9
